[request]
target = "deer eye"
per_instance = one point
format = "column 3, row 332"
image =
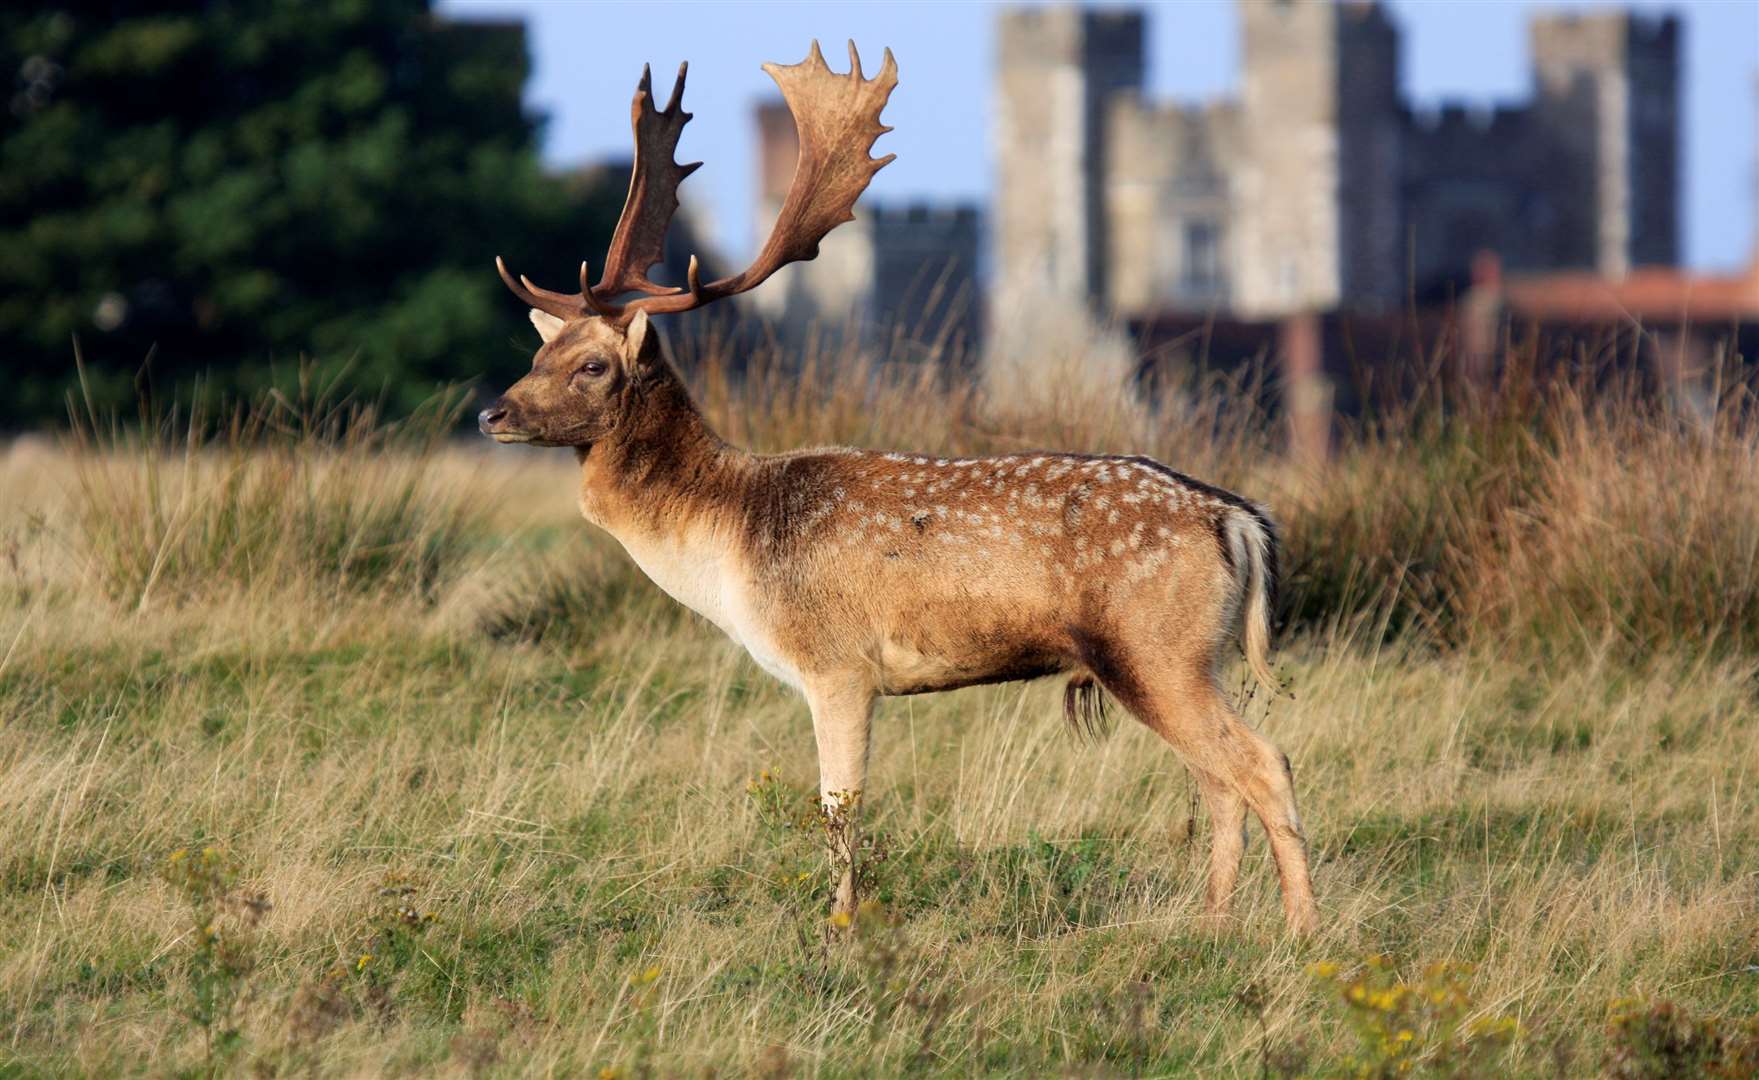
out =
column 591, row 369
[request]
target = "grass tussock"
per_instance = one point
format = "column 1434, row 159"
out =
column 1566, row 514
column 337, row 748
column 270, row 494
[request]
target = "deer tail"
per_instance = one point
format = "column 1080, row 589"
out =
column 1251, row 540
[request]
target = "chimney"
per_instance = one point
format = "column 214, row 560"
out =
column 778, row 148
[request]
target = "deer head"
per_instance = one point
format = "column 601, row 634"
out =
column 598, row 346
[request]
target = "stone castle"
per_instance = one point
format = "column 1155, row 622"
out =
column 910, row 265
column 1320, row 188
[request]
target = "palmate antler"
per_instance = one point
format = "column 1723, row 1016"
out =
column 838, row 120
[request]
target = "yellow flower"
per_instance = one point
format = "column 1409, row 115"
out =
column 1325, row 969
column 841, row 920
column 650, row 974
column 1406, row 1035
column 365, row 959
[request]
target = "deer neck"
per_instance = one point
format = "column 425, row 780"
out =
column 672, row 492
column 663, row 475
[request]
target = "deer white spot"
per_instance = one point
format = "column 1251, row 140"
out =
column 1112, row 518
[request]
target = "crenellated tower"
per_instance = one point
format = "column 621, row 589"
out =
column 1607, row 105
column 1056, row 70
column 1317, row 189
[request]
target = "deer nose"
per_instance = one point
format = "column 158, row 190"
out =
column 489, row 417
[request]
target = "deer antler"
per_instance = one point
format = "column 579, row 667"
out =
column 640, row 239
column 837, row 117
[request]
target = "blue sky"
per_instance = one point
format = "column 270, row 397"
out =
column 588, row 57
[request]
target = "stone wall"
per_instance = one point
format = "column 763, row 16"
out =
column 1287, row 184
column 1370, row 123
column 1468, row 187
column 1169, row 207
column 1056, row 69
column 925, row 290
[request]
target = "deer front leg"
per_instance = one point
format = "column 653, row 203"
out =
column 841, row 716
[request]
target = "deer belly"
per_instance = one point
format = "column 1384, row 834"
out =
column 915, row 667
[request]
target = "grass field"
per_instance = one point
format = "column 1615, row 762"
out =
column 342, row 751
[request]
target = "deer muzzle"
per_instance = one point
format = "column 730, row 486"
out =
column 497, row 423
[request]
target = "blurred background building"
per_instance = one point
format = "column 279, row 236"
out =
column 226, row 191
column 1320, row 187
column 896, row 266
column 1320, row 220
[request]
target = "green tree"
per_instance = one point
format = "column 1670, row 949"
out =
column 231, row 187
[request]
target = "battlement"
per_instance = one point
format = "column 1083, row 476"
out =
column 1057, row 34
column 1447, row 120
column 1640, row 25
column 1365, row 15
column 936, row 215
column 1656, row 28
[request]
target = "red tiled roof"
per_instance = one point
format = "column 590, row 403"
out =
column 1651, row 295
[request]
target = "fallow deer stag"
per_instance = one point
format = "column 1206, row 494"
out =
column 849, row 574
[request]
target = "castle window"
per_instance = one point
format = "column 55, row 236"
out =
column 1200, row 255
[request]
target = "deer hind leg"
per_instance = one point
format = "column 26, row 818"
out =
column 842, row 715
column 1227, row 840
column 1236, row 768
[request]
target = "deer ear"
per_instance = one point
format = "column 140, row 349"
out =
column 548, row 326
column 639, row 340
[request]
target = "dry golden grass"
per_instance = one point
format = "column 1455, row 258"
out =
column 516, row 814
